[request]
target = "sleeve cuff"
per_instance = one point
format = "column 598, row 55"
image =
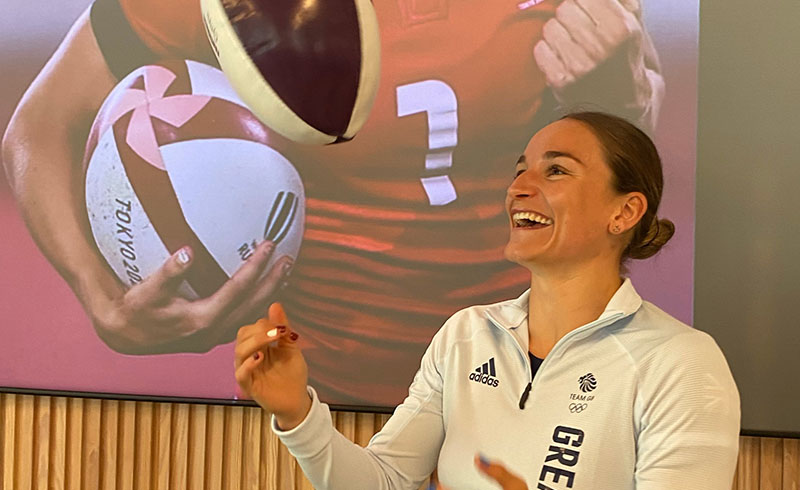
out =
column 313, row 433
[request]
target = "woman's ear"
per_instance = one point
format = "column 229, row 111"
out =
column 632, row 207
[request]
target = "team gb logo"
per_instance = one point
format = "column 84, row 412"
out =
column 587, row 382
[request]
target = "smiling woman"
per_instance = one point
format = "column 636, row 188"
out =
column 584, row 160
column 578, row 363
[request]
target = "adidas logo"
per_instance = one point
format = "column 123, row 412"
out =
column 485, row 374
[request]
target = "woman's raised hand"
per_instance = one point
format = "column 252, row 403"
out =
column 271, row 369
column 496, row 471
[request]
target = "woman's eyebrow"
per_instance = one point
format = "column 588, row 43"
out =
column 553, row 154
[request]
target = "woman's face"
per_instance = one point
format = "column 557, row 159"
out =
column 561, row 202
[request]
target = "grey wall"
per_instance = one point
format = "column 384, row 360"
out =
column 747, row 271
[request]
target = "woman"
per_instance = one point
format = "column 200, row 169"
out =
column 577, row 384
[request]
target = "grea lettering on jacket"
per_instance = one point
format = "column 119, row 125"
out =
column 484, row 379
column 561, row 456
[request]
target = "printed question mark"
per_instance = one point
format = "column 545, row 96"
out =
column 438, row 100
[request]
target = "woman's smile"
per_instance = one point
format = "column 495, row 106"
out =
column 529, row 220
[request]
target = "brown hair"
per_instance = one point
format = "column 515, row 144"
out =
column 635, row 167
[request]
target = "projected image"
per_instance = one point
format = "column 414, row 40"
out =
column 170, row 215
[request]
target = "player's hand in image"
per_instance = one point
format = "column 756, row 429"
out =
column 270, row 368
column 152, row 317
column 42, row 152
column 599, row 51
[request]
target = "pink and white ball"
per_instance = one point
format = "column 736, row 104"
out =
column 175, row 158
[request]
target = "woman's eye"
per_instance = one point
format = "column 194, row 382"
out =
column 555, row 170
column 518, row 172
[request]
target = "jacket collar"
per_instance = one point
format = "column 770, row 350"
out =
column 511, row 314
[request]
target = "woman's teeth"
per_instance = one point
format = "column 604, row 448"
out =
column 528, row 219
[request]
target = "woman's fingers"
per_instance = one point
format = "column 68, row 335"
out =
column 498, row 472
column 267, row 340
column 245, row 369
column 270, row 368
column 277, row 315
column 287, row 344
column 256, row 338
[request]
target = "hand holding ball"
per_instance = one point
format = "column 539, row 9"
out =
column 308, row 69
column 174, row 158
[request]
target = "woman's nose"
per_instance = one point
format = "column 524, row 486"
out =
column 524, row 185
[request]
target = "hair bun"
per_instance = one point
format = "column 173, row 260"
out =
column 658, row 234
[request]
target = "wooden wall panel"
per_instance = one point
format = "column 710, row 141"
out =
column 72, row 471
column 748, row 469
column 58, row 444
column 84, row 444
column 791, row 464
column 771, row 464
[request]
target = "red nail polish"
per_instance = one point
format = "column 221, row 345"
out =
column 293, row 336
column 256, row 356
column 281, row 328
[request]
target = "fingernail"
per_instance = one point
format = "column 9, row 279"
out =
column 287, row 268
column 483, row 460
column 293, row 336
column 184, row 256
column 272, row 333
column 281, row 328
column 268, row 246
column 256, row 356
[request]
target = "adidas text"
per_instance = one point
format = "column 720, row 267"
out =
column 484, row 379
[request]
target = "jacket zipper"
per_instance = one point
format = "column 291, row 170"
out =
column 596, row 324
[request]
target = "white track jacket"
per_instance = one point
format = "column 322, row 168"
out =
column 633, row 400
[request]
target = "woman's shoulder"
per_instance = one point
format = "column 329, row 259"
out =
column 679, row 366
column 654, row 337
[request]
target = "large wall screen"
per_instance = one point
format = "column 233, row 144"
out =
column 393, row 231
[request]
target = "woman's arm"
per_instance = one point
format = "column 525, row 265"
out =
column 689, row 433
column 401, row 456
column 271, row 369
